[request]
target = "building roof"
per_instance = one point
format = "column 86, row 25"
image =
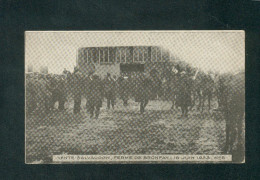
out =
column 122, row 54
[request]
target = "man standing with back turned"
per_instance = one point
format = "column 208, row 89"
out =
column 110, row 87
column 96, row 96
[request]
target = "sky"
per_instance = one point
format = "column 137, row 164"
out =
column 216, row 51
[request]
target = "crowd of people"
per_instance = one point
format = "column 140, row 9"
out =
column 181, row 87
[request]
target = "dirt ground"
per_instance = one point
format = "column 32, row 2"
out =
column 123, row 131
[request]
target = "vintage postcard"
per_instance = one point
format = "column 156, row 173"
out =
column 134, row 97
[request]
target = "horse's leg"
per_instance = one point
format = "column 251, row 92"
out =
column 192, row 101
column 172, row 107
column 202, row 102
column 186, row 109
column 142, row 107
column 195, row 98
column 145, row 103
column 209, row 101
column 227, row 145
column 182, row 111
column 171, row 98
column 200, row 97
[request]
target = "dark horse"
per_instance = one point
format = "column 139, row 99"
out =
column 203, row 88
column 170, row 88
column 145, row 89
column 234, row 111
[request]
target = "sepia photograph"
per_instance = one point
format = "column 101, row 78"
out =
column 134, row 97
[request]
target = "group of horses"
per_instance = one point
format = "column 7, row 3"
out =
column 201, row 87
column 228, row 90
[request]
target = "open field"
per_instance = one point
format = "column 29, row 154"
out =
column 123, row 131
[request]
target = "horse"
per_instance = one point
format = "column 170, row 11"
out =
column 146, row 88
column 203, row 89
column 234, row 110
column 169, row 86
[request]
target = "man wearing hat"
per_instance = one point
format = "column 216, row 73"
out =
column 77, row 90
column 123, row 84
column 183, row 98
column 110, row 87
column 96, row 96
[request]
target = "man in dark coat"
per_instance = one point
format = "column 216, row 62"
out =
column 147, row 93
column 62, row 93
column 172, row 89
column 31, row 94
column 157, row 84
column 110, row 90
column 234, row 112
column 87, row 84
column 96, row 96
column 143, row 91
column 77, row 90
column 183, row 98
column 57, row 87
column 221, row 92
column 123, row 84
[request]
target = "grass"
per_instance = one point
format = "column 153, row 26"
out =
column 122, row 131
